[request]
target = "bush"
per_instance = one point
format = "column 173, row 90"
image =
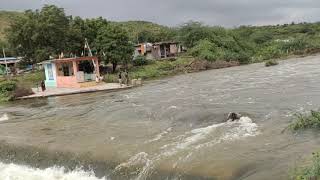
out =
column 205, row 50
column 311, row 172
column 302, row 121
column 2, row 70
column 271, row 63
column 7, row 89
column 140, row 61
column 111, row 78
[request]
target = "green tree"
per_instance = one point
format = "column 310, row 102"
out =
column 39, row 34
column 206, row 50
column 113, row 45
column 192, row 32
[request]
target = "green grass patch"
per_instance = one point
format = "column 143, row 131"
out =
column 30, row 80
column 306, row 121
column 154, row 70
column 310, row 172
column 271, row 63
column 20, row 85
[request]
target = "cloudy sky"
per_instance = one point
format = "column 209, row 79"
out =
column 227, row 13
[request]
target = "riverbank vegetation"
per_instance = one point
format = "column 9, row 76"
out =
column 271, row 62
column 306, row 121
column 301, row 122
column 169, row 67
column 37, row 35
column 18, row 86
column 310, row 172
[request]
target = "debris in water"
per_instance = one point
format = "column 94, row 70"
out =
column 232, row 116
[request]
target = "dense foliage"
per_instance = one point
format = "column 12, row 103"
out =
column 305, row 121
column 142, row 31
column 141, row 61
column 36, row 35
column 7, row 89
column 113, row 44
column 311, row 172
column 271, row 62
column 41, row 34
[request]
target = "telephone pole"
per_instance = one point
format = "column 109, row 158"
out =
column 5, row 60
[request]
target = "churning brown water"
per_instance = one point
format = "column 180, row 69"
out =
column 170, row 129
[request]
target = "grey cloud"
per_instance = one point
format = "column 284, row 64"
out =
column 173, row 12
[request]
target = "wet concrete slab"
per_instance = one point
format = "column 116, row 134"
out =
column 49, row 92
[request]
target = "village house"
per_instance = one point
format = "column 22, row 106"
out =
column 157, row 51
column 72, row 72
column 10, row 63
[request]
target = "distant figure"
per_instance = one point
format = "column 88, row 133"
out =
column 120, row 78
column 127, row 77
column 43, row 86
column 234, row 116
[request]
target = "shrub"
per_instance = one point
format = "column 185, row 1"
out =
column 302, row 121
column 7, row 89
column 2, row 70
column 205, row 50
column 140, row 61
column 165, row 66
column 311, row 172
column 271, row 63
column 241, row 57
column 111, row 78
column 21, row 91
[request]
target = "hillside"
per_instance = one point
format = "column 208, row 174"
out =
column 153, row 32
column 5, row 18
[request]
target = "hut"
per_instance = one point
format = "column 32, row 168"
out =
column 72, row 72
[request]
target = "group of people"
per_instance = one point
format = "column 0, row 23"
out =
column 124, row 78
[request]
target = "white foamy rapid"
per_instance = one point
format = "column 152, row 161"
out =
column 4, row 117
column 17, row 172
column 191, row 142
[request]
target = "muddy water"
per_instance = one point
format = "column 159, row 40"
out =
column 175, row 128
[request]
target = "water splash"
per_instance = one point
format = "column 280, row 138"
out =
column 17, row 172
column 191, row 142
column 4, row 117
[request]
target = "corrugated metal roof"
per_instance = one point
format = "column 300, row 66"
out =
column 9, row 59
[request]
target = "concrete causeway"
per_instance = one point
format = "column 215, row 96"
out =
column 49, row 92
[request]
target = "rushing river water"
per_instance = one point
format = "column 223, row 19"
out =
column 170, row 129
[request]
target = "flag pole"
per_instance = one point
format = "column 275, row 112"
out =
column 86, row 46
column 5, row 60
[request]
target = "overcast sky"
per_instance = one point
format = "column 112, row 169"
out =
column 227, row 13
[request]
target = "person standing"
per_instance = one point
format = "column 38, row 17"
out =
column 43, row 86
column 127, row 77
column 120, row 78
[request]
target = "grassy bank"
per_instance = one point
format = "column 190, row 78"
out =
column 302, row 122
column 165, row 68
column 311, row 172
column 306, row 121
column 13, row 87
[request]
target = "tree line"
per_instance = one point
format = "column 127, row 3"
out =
column 46, row 32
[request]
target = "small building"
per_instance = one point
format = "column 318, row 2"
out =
column 160, row 50
column 10, row 62
column 71, row 72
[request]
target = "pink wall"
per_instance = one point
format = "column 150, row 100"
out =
column 67, row 82
column 71, row 81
